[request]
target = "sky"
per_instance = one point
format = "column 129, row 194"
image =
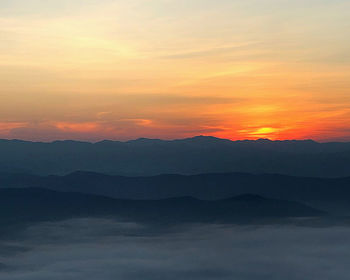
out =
column 112, row 69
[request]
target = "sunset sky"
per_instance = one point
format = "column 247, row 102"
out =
column 123, row 69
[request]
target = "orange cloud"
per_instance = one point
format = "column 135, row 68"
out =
column 77, row 127
column 6, row 127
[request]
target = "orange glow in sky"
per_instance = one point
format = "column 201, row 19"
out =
column 113, row 69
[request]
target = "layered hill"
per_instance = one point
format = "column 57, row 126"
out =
column 36, row 205
column 330, row 194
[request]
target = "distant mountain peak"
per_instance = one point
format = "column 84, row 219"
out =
column 264, row 140
column 204, row 139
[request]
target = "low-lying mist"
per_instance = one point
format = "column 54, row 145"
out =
column 105, row 249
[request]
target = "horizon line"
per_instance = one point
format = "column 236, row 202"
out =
column 171, row 140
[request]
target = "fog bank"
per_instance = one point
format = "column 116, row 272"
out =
column 102, row 249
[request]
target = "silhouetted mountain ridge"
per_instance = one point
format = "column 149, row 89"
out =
column 201, row 154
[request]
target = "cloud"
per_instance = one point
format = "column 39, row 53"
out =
column 177, row 99
column 153, row 116
column 217, row 51
column 6, row 127
column 105, row 249
column 84, row 127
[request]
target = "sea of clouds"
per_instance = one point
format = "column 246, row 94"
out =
column 105, row 249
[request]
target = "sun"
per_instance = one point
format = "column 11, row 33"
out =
column 262, row 132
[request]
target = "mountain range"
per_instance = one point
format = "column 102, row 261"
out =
column 146, row 157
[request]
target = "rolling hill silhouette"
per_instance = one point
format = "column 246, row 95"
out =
column 330, row 194
column 36, row 205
